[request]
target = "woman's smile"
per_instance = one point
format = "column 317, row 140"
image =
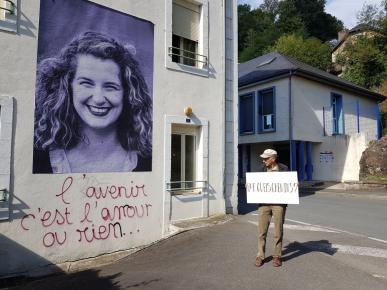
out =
column 98, row 111
column 97, row 91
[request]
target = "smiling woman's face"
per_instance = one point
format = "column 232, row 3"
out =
column 97, row 91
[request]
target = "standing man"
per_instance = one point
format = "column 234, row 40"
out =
column 266, row 211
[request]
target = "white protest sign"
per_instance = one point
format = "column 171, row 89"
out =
column 272, row 187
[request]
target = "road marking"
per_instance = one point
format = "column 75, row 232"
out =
column 327, row 228
column 378, row 240
column 337, row 230
column 298, row 222
column 329, row 248
column 353, row 250
column 378, row 276
column 301, row 228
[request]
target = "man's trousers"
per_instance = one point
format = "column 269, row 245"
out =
column 265, row 212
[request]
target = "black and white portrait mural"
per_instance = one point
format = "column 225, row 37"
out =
column 93, row 102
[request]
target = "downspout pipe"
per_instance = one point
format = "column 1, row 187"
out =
column 292, row 166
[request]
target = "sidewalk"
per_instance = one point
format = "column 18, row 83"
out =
column 354, row 188
column 221, row 257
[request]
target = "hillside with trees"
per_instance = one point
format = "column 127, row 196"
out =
column 301, row 29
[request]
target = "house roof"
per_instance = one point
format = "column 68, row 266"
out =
column 276, row 65
column 355, row 30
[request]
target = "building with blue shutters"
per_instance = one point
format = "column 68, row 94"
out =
column 318, row 123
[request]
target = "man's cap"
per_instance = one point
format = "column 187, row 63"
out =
column 268, row 153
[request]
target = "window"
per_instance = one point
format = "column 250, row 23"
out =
column 185, row 33
column 8, row 15
column 246, row 114
column 6, row 128
column 187, row 36
column 337, row 114
column 266, row 110
column 183, row 161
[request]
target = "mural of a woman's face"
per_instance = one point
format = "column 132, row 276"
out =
column 97, row 91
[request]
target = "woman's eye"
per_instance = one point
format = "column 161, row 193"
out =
column 86, row 84
column 111, row 88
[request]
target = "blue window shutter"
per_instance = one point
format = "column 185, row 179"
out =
column 337, row 114
column 274, row 110
column 259, row 115
column 340, row 114
column 246, row 114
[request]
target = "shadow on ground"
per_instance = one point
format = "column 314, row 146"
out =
column 297, row 249
column 89, row 279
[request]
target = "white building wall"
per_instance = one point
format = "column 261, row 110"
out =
column 337, row 157
column 281, row 109
column 309, row 98
column 231, row 112
column 46, row 207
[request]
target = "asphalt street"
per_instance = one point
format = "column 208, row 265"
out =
column 330, row 243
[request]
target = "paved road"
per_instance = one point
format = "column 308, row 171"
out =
column 355, row 213
column 222, row 256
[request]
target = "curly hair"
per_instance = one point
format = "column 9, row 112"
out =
column 56, row 121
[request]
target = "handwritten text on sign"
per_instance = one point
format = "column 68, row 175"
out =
column 272, row 187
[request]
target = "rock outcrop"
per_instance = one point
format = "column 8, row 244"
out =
column 373, row 162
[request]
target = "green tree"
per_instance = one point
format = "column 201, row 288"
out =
column 363, row 63
column 309, row 17
column 311, row 50
column 256, row 31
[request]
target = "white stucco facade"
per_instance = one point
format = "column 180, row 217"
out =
column 56, row 219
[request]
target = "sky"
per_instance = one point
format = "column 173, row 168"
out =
column 344, row 10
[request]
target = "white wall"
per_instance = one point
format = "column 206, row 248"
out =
column 343, row 152
column 231, row 107
column 309, row 98
column 26, row 238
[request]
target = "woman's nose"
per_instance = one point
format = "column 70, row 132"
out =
column 99, row 95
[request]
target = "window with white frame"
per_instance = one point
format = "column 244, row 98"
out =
column 185, row 32
column 6, row 129
column 266, row 110
column 187, row 35
column 8, row 15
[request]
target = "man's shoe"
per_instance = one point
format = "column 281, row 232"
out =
column 258, row 261
column 277, row 261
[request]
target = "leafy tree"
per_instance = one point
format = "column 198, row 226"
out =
column 363, row 63
column 256, row 31
column 370, row 15
column 311, row 50
column 308, row 16
column 270, row 7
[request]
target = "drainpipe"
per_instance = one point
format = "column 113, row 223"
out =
column 291, row 145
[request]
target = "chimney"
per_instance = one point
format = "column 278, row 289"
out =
column 342, row 35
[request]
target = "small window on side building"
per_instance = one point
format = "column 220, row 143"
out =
column 266, row 110
column 246, row 114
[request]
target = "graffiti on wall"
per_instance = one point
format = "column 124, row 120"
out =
column 103, row 215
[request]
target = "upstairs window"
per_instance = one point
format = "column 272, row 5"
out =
column 246, row 114
column 337, row 114
column 266, row 110
column 185, row 33
column 9, row 20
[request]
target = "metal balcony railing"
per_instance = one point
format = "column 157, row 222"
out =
column 11, row 7
column 187, row 57
column 181, row 186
